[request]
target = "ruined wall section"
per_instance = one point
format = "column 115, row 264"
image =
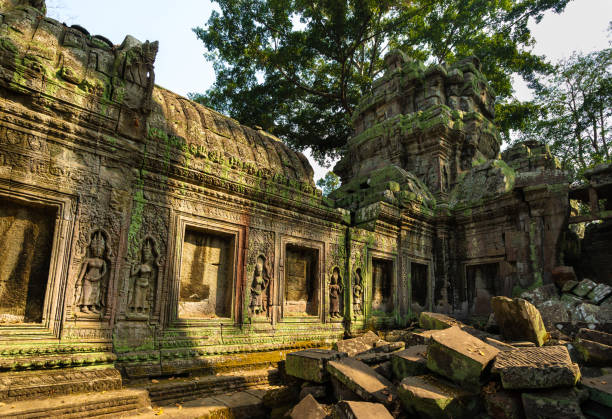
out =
column 141, row 186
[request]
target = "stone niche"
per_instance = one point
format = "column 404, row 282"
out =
column 207, row 274
column 482, row 283
column 419, row 285
column 382, row 284
column 26, row 241
column 301, row 281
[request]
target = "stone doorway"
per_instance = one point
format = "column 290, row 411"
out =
column 419, row 286
column 26, row 242
column 481, row 286
column 382, row 280
column 301, row 281
column 207, row 275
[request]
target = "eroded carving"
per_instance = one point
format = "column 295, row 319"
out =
column 335, row 293
column 260, row 287
column 358, row 293
column 144, row 277
column 92, row 281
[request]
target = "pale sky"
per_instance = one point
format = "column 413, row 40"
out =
column 181, row 67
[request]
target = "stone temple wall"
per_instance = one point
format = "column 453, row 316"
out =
column 145, row 233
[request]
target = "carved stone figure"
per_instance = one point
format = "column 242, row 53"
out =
column 335, row 292
column 92, row 276
column 358, row 293
column 144, row 275
column 259, row 287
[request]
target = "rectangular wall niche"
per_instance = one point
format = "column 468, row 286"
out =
column 301, row 281
column 382, row 280
column 26, row 240
column 481, row 286
column 419, row 283
column 207, row 268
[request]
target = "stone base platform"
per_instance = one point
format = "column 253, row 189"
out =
column 105, row 404
column 169, row 391
column 29, row 385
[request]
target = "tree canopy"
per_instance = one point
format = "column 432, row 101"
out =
column 572, row 111
column 298, row 68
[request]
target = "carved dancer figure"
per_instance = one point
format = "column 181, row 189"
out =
column 91, row 275
column 143, row 275
column 335, row 291
column 358, row 293
column 259, row 287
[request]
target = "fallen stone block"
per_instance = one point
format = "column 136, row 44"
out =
column 568, row 286
column 430, row 397
column 536, row 368
column 308, row 408
column 591, row 313
column 554, row 311
column 385, row 369
column 362, row 380
column 459, row 356
column 600, row 389
column 436, row 321
column 361, row 410
column 553, row 404
column 538, row 295
column 502, row 404
column 410, row 362
column 594, row 410
column 371, row 358
column 570, row 299
column 584, row 287
column 593, row 353
column 310, row 364
column 502, row 346
column 421, row 338
column 595, row 336
column 561, row 275
column 357, row 345
column 519, row 320
column 318, row 392
column 599, row 293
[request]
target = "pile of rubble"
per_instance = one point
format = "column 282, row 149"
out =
column 448, row 369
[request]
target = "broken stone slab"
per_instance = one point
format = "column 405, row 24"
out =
column 459, row 356
column 318, row 392
column 420, row 338
column 591, row 313
column 308, row 408
column 599, row 293
column 310, row 364
column 554, row 311
column 595, row 336
column 361, row 410
column 536, row 368
column 570, row 299
column 371, row 358
column 553, row 404
column 561, row 275
column 568, row 286
column 541, row 294
column 518, row 319
column 385, row 369
column 410, row 362
column 357, row 345
column 572, row 329
column 502, row 404
column 593, row 353
column 584, row 287
column 600, row 389
column 431, row 397
column 436, row 321
column 502, row 346
column 362, row 380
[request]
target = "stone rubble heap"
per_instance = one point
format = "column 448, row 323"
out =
column 445, row 368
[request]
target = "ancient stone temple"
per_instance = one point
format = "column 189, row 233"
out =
column 143, row 235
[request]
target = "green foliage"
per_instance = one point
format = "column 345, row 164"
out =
column 572, row 111
column 298, row 68
column 329, row 183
